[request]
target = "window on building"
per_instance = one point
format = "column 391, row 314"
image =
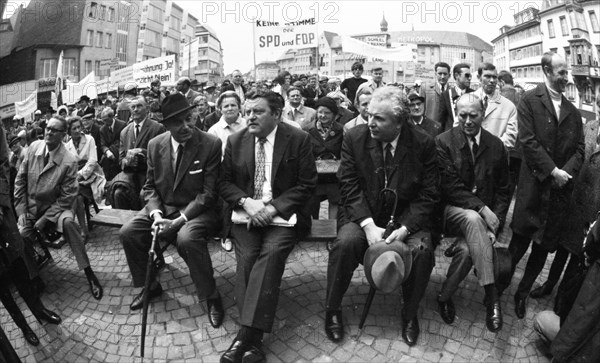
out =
column 563, row 26
column 93, row 10
column 175, row 23
column 588, row 96
column 49, row 67
column 97, row 68
column 551, row 29
column 594, row 22
column 122, row 47
column 570, row 91
column 69, row 67
column 88, row 67
column 90, row 38
column 111, row 14
column 155, row 13
column 100, row 40
column 108, row 40
column 4, row 26
column 102, row 13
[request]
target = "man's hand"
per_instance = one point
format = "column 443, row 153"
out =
column 110, row 155
column 490, row 219
column 399, row 234
column 165, row 226
column 253, row 206
column 374, row 233
column 41, row 223
column 492, row 236
column 264, row 217
column 561, row 177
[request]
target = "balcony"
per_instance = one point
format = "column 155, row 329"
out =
column 580, row 70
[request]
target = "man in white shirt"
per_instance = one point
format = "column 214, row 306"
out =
column 296, row 111
column 363, row 97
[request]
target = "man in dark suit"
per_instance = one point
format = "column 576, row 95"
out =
column 387, row 153
column 136, row 135
column 268, row 171
column 447, row 113
column 433, row 93
column 183, row 168
column 418, row 118
column 552, row 140
column 84, row 107
column 90, row 127
column 184, row 86
column 475, row 193
column 110, row 134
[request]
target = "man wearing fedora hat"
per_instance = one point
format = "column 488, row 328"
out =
column 475, row 194
column 388, row 178
column 180, row 193
column 84, row 107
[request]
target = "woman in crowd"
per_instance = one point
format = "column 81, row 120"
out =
column 90, row 175
column 326, row 136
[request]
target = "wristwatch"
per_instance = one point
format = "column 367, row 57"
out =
column 241, row 201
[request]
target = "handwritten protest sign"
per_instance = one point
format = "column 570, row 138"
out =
column 270, row 35
column 27, row 107
column 162, row 68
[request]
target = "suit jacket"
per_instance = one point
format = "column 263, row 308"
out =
column 149, row 130
column 87, row 111
column 415, row 180
column 547, row 141
column 46, row 191
column 110, row 140
column 95, row 133
column 293, row 174
column 446, row 113
column 331, row 145
column 433, row 98
column 431, row 127
column 5, row 201
column 471, row 185
column 193, row 190
column 305, row 118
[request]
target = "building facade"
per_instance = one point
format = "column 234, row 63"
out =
column 210, row 58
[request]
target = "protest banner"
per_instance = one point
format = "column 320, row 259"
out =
column 108, row 63
column 15, row 92
column 275, row 35
column 27, row 107
column 120, row 77
column 58, row 86
column 162, row 68
column 86, row 86
column 403, row 52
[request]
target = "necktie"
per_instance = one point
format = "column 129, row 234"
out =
column 475, row 147
column 598, row 139
column 295, row 113
column 46, row 158
column 137, row 131
column 388, row 162
column 259, row 171
column 179, row 157
column 485, row 103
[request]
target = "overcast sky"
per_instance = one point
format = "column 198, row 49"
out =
column 232, row 20
column 233, row 25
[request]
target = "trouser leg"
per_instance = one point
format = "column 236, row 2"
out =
column 535, row 264
column 459, row 268
column 348, row 250
column 73, row 237
column 413, row 289
column 136, row 240
column 556, row 269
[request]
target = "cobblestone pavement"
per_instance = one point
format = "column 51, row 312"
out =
column 178, row 330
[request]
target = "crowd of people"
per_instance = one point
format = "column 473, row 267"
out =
column 241, row 163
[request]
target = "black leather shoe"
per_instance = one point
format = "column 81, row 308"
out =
column 410, row 331
column 30, row 336
column 216, row 314
column 95, row 287
column 254, row 355
column 541, row 291
column 138, row 301
column 235, row 353
column 47, row 315
column 447, row 311
column 334, row 326
column 493, row 316
column 520, row 307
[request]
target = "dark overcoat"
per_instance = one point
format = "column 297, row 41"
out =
column 547, row 142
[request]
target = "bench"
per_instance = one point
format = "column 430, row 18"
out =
column 323, row 230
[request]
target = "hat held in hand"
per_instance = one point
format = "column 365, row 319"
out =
column 387, row 265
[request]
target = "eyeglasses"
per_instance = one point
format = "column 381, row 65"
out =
column 54, row 130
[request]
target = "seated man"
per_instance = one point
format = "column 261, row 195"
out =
column 269, row 171
column 132, row 154
column 387, row 153
column 475, row 193
column 110, row 134
column 183, row 167
column 45, row 189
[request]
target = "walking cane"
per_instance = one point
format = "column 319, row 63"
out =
column 389, row 228
column 145, row 299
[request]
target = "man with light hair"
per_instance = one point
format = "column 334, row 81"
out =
column 385, row 155
column 363, row 97
column 375, row 82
